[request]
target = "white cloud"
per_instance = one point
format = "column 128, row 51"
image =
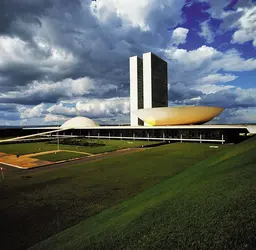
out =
column 50, row 118
column 212, row 88
column 246, row 27
column 208, row 84
column 179, row 35
column 104, row 108
column 232, row 61
column 133, row 11
column 216, row 78
column 34, row 112
column 95, row 108
column 246, row 97
column 247, row 115
column 63, row 110
column 196, row 73
column 190, row 60
column 206, row 32
column 143, row 14
column 190, row 66
column 234, row 116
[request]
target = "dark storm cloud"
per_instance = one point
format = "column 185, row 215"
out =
column 18, row 75
column 8, row 108
column 33, row 99
column 6, row 116
column 12, row 11
column 179, row 92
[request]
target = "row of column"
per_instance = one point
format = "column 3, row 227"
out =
column 181, row 137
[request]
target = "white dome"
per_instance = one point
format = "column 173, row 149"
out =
column 79, row 122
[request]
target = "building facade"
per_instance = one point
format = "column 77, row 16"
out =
column 155, row 81
column 148, row 84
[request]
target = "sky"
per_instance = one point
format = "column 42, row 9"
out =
column 61, row 58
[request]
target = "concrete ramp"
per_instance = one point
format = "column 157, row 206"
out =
column 33, row 135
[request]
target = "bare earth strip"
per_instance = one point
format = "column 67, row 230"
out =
column 28, row 163
column 23, row 162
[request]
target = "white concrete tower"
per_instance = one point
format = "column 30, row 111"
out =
column 147, row 80
column 136, row 88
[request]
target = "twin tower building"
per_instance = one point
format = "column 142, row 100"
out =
column 148, row 84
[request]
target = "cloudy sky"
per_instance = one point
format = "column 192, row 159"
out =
column 63, row 58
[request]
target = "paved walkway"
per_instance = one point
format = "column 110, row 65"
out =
column 53, row 151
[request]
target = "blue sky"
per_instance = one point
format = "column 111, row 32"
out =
column 61, row 59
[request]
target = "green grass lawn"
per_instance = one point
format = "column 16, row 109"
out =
column 35, row 147
column 26, row 148
column 59, row 156
column 38, row 207
column 211, row 205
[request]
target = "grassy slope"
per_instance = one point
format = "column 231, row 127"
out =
column 209, row 206
column 26, row 148
column 59, row 156
column 47, row 203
